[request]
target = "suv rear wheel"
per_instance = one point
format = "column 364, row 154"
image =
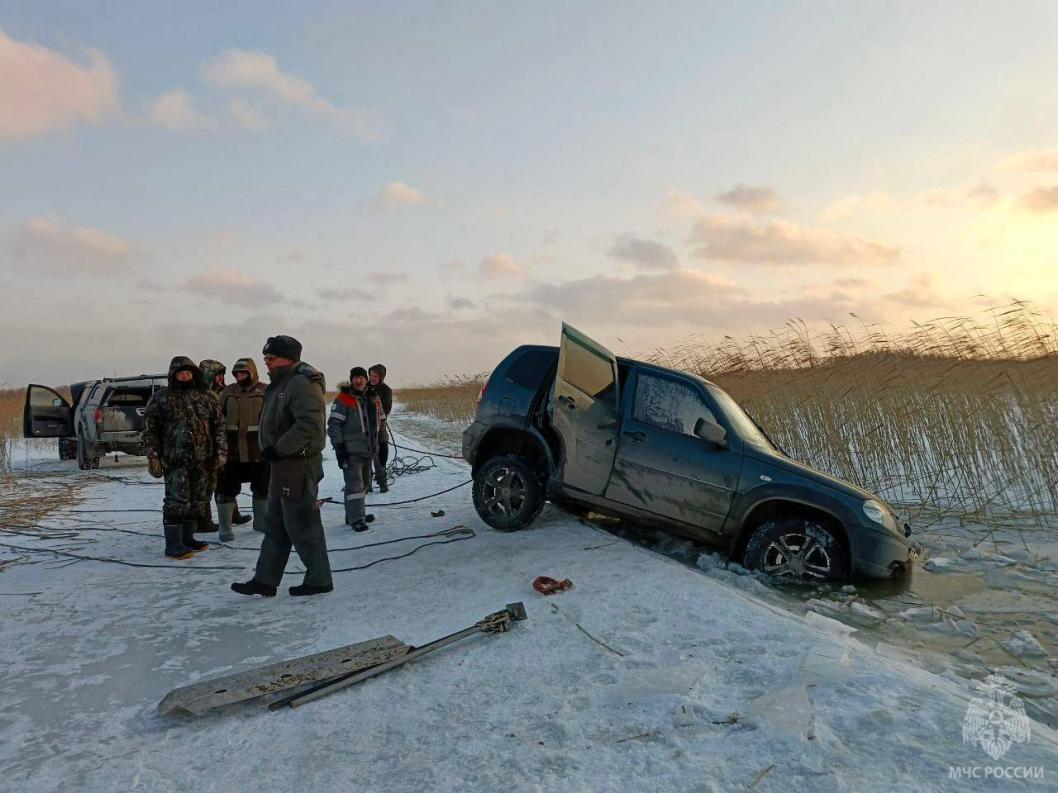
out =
column 508, row 492
column 84, row 462
column 796, row 548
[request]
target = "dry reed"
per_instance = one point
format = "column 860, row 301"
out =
column 957, row 414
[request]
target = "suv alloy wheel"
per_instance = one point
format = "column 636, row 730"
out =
column 508, row 492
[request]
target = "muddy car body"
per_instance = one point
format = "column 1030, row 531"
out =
column 577, row 425
column 105, row 416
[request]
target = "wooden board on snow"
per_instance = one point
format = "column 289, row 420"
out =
column 205, row 695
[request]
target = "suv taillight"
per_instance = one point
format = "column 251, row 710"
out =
column 99, row 415
column 481, row 393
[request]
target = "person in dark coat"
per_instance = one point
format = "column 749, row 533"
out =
column 377, row 383
column 292, row 437
column 183, row 434
column 353, row 430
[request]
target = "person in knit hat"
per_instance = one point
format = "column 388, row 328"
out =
column 353, row 429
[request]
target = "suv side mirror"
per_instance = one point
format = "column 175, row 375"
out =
column 709, row 430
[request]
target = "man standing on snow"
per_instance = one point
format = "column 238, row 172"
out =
column 353, row 430
column 291, row 437
column 183, row 433
column 377, row 376
column 241, row 404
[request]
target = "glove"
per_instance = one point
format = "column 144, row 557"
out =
column 270, row 454
column 154, row 467
column 342, row 457
column 222, row 460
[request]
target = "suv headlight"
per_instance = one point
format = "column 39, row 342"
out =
column 877, row 513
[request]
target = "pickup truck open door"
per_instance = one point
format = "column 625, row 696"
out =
column 46, row 414
column 585, row 411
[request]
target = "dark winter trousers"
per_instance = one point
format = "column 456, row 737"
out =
column 294, row 523
column 232, row 475
column 187, row 494
column 383, row 451
column 357, row 474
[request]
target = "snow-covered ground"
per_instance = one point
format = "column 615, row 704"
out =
column 648, row 675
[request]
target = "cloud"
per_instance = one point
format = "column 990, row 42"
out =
column 1040, row 200
column 684, row 204
column 871, row 203
column 500, row 265
column 1031, row 161
column 41, row 90
column 783, row 242
column 232, row 286
column 176, row 111
column 241, row 70
column 647, row 254
column 397, row 195
column 457, row 303
column 343, row 295
column 45, row 244
column 247, row 115
column 759, row 200
column 920, row 293
column 454, row 266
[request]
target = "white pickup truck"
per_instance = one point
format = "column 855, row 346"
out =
column 106, row 416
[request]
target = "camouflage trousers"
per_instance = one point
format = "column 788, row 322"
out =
column 187, row 493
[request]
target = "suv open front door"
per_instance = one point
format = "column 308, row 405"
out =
column 584, row 411
column 46, row 414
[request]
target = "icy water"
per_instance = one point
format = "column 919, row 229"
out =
column 980, row 600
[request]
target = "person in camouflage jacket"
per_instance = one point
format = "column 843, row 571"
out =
column 183, row 434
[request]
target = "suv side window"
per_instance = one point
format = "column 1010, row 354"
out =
column 669, row 404
column 591, row 374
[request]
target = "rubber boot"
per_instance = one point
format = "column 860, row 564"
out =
column 259, row 505
column 174, row 544
column 225, row 511
column 187, row 534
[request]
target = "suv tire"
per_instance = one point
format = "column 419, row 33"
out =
column 84, row 462
column 508, row 492
column 797, row 548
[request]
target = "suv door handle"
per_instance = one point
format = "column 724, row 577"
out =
column 637, row 436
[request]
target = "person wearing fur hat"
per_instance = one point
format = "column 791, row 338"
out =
column 241, row 404
column 291, row 438
column 353, row 430
column 376, row 376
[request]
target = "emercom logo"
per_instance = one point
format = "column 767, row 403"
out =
column 997, row 720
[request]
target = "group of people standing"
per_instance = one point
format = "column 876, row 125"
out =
column 205, row 436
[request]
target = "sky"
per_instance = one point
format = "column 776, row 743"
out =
column 428, row 185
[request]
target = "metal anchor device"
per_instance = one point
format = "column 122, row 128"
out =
column 497, row 622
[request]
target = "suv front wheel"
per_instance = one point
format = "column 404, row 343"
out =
column 508, row 492
column 796, row 548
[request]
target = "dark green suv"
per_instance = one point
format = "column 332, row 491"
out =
column 579, row 426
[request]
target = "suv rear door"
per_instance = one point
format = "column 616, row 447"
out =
column 46, row 414
column 584, row 411
column 125, row 403
column 661, row 465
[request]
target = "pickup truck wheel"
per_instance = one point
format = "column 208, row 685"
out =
column 84, row 462
column 508, row 492
column 796, row 548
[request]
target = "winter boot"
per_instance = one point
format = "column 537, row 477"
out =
column 360, row 525
column 301, row 590
column 224, row 518
column 383, row 485
column 251, row 587
column 237, row 518
column 259, row 505
column 187, row 534
column 174, row 544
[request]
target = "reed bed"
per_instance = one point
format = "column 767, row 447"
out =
column 957, row 415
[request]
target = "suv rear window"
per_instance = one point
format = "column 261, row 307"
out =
column 531, row 367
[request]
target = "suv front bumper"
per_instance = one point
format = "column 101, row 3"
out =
column 882, row 554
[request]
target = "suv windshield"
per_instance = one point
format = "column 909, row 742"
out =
column 746, row 427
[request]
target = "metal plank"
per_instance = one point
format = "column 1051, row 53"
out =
column 204, row 695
